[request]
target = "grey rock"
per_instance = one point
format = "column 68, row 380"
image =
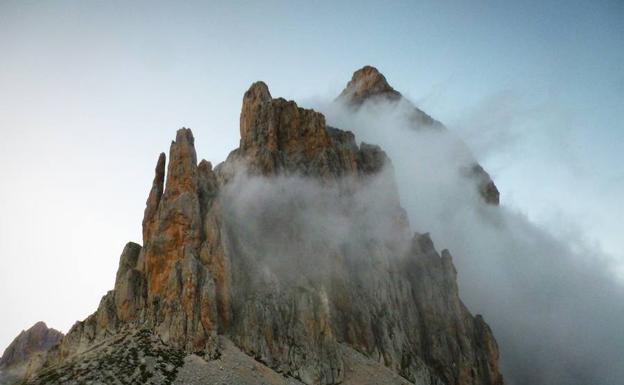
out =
column 27, row 352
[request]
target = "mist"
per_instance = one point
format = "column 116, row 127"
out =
column 551, row 298
column 294, row 226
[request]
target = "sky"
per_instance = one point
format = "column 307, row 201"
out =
column 91, row 92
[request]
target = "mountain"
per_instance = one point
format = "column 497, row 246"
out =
column 368, row 85
column 27, row 352
column 290, row 262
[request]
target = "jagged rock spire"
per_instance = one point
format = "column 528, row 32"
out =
column 151, row 206
column 255, row 96
column 182, row 169
column 178, row 221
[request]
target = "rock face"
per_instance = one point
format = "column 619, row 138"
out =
column 295, row 249
column 39, row 338
column 277, row 137
column 26, row 354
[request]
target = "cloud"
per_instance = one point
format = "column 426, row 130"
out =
column 551, row 297
column 293, row 224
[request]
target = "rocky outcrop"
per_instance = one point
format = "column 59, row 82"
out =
column 295, row 249
column 487, row 188
column 277, row 137
column 180, row 290
column 153, row 200
column 130, row 284
column 39, row 338
column 368, row 85
column 27, row 353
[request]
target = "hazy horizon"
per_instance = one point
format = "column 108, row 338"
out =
column 92, row 92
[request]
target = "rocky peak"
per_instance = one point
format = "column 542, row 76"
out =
column 253, row 99
column 37, row 339
column 278, row 125
column 278, row 136
column 182, row 170
column 368, row 82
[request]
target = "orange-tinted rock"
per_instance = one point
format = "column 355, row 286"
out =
column 181, row 298
column 278, row 137
column 253, row 100
column 178, row 223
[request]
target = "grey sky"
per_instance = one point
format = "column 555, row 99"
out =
column 91, row 92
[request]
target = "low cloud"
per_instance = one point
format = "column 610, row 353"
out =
column 551, row 297
column 293, row 224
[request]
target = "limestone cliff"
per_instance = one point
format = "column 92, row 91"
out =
column 295, row 249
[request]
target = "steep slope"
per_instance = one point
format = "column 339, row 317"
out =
column 26, row 354
column 140, row 357
column 295, row 249
column 368, row 85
